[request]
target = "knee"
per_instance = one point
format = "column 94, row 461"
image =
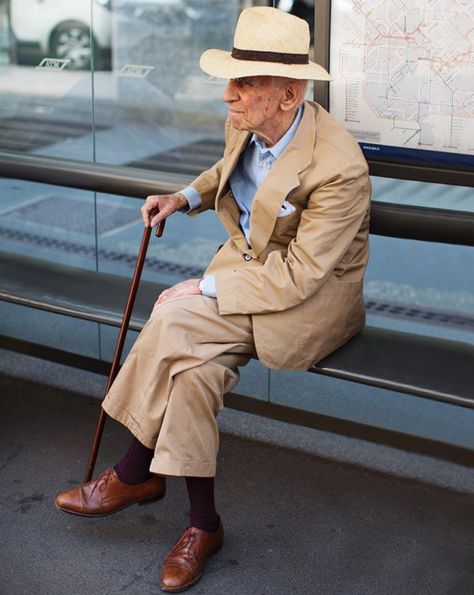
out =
column 176, row 311
column 168, row 317
column 199, row 388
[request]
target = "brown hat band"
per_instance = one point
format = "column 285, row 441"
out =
column 280, row 57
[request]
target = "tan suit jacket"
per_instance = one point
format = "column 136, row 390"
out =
column 301, row 279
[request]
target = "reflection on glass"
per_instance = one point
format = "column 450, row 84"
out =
column 422, row 194
column 153, row 107
column 48, row 222
column 43, row 225
column 51, row 330
column 4, row 35
column 156, row 109
column 45, row 79
column 57, row 29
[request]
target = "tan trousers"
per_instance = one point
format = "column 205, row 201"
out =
column 170, row 387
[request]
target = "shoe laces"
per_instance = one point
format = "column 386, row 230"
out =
column 186, row 545
column 103, row 480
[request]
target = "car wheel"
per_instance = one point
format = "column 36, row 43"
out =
column 72, row 41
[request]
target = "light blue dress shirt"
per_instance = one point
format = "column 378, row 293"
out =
column 253, row 166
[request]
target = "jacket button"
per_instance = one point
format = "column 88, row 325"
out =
column 246, row 257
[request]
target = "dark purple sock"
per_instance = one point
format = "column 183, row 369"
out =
column 134, row 467
column 203, row 513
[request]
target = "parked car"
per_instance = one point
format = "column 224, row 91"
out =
column 59, row 29
column 155, row 29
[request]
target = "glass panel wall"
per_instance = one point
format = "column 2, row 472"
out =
column 46, row 109
column 118, row 82
column 46, row 79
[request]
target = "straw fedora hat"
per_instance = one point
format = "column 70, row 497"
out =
column 267, row 41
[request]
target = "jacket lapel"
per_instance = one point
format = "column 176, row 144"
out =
column 282, row 179
column 229, row 215
column 230, row 161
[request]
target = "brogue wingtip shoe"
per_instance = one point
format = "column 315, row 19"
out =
column 107, row 495
column 184, row 565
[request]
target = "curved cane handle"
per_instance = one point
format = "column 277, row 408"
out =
column 160, row 228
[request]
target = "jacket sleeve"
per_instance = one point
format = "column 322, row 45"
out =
column 207, row 184
column 333, row 216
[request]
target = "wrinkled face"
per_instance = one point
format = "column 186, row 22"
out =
column 253, row 103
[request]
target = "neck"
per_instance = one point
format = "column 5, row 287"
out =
column 278, row 127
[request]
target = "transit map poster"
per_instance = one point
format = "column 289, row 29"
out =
column 403, row 78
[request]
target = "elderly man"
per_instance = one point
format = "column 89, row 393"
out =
column 293, row 193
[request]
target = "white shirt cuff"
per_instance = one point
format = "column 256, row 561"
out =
column 208, row 286
column 193, row 197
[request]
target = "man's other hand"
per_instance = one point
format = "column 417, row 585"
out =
column 166, row 204
column 188, row 287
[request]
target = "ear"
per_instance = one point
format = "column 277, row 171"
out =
column 291, row 96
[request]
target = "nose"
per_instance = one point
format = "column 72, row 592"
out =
column 230, row 92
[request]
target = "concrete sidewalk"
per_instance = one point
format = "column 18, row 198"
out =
column 296, row 521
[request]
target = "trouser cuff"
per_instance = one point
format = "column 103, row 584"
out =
column 165, row 466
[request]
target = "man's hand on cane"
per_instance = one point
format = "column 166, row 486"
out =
column 165, row 204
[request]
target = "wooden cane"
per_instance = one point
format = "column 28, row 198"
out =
column 120, row 342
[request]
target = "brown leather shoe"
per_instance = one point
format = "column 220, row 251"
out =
column 107, row 494
column 184, row 565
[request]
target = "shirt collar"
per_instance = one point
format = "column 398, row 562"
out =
column 284, row 141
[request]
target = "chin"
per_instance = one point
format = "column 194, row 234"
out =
column 235, row 123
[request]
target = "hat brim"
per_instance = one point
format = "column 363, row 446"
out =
column 221, row 64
